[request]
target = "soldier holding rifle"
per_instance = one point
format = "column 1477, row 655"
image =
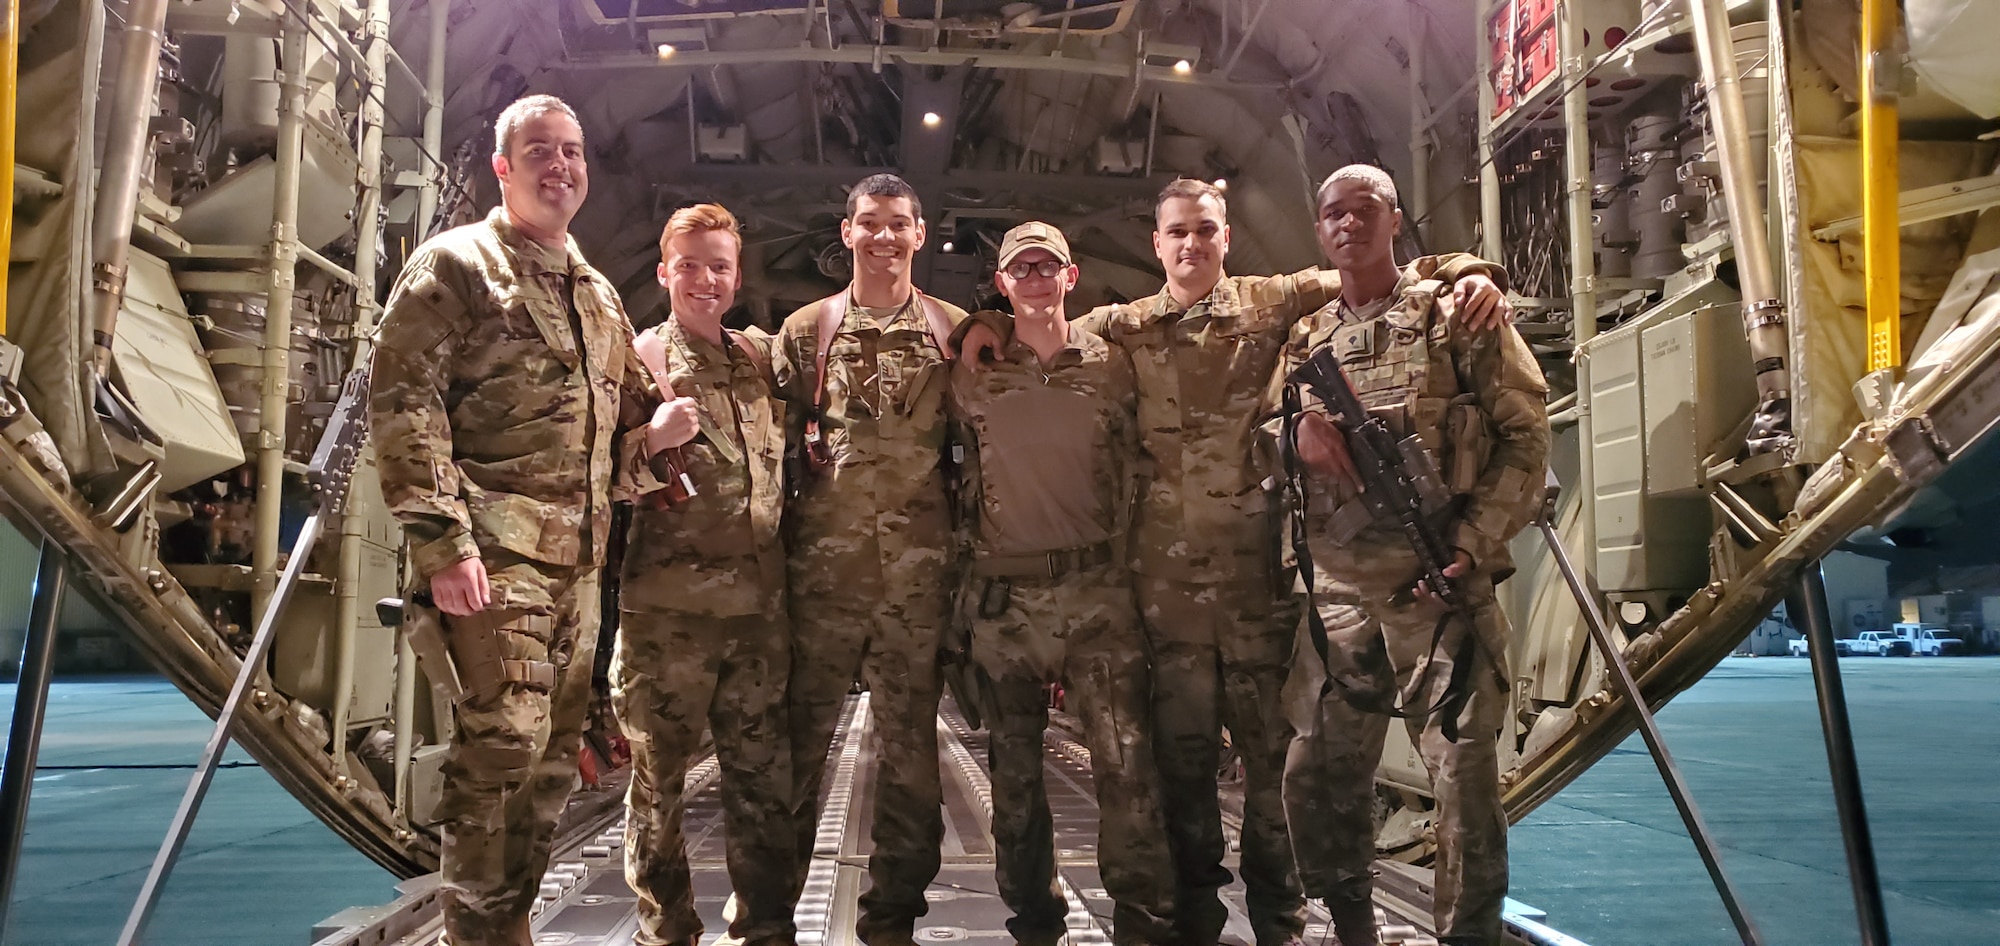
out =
column 1408, row 510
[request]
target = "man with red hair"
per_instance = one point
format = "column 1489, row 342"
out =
column 703, row 639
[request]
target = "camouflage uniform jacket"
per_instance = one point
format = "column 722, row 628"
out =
column 497, row 407
column 1203, row 513
column 718, row 554
column 885, row 425
column 1477, row 400
column 1049, row 447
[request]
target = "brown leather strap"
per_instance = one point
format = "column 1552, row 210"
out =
column 1052, row 564
column 750, row 351
column 938, row 323
column 832, row 310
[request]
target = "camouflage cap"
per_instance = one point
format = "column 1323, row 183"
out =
column 1030, row 235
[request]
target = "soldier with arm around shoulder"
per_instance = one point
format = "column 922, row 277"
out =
column 508, row 411
column 1215, row 600
column 1048, row 595
column 1475, row 398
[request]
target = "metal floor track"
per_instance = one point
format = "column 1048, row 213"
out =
column 585, row 901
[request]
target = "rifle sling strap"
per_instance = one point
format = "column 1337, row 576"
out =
column 1453, row 700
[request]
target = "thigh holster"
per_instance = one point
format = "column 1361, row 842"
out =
column 482, row 652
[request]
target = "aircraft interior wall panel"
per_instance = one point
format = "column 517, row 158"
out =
column 1698, row 388
column 166, row 371
column 1644, row 542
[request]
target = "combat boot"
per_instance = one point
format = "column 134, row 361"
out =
column 1353, row 921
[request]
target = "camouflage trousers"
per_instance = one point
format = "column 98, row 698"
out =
column 1221, row 653
column 889, row 640
column 509, row 770
column 674, row 676
column 1079, row 630
column 1330, row 774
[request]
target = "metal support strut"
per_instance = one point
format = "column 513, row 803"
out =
column 1807, row 608
column 218, row 741
column 1627, row 688
column 31, row 700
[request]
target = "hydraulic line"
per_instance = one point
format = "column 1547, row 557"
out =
column 1763, row 309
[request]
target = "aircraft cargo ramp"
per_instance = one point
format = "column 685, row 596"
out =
column 586, row 902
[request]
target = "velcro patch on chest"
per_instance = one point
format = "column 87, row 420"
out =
column 1359, row 342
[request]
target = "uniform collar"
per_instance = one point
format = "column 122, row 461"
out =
column 1373, row 310
column 698, row 352
column 533, row 257
column 1075, row 350
column 909, row 316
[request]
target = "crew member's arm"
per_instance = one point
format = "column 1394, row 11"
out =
column 1478, row 299
column 643, row 417
column 1500, row 370
column 1479, row 290
column 422, row 327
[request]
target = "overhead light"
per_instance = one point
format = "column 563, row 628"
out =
column 669, row 41
column 1178, row 58
column 1222, row 183
column 947, row 246
column 932, row 119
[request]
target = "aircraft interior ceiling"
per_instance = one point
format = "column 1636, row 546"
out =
column 1045, row 122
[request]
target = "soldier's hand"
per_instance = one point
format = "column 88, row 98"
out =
column 674, row 423
column 1461, row 565
column 1478, row 304
column 460, row 588
column 981, row 344
column 1323, row 449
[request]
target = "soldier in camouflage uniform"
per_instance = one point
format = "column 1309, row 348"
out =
column 702, row 634
column 1476, row 399
column 1050, row 446
column 1215, row 603
column 871, row 570
column 504, row 375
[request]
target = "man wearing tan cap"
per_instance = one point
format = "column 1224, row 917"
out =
column 1051, row 438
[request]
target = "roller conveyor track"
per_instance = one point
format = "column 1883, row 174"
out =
column 587, row 903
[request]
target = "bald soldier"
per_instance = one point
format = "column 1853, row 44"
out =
column 703, row 638
column 504, row 376
column 866, row 371
column 1050, row 451
column 1476, row 399
column 1215, row 602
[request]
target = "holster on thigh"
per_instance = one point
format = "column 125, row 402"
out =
column 496, row 647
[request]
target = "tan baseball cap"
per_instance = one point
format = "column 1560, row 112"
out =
column 1030, row 235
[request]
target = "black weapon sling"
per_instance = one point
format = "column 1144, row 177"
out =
column 1453, row 700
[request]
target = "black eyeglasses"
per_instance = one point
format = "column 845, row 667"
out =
column 1047, row 269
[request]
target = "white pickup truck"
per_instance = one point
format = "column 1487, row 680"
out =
column 1866, row 643
column 1923, row 640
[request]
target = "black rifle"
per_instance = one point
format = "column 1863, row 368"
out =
column 1399, row 483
